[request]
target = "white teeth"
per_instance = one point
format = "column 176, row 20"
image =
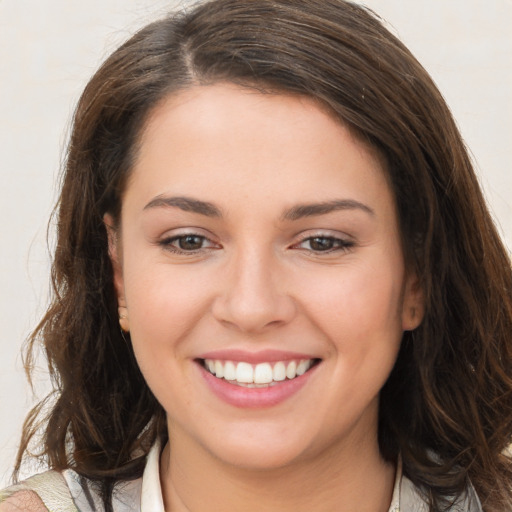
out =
column 263, row 373
column 291, row 370
column 279, row 372
column 260, row 375
column 229, row 371
column 219, row 369
column 302, row 367
column 244, row 373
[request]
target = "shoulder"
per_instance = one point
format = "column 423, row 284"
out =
column 67, row 492
column 22, row 500
column 413, row 498
column 42, row 492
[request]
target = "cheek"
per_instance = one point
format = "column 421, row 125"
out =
column 357, row 302
column 165, row 309
column 164, row 301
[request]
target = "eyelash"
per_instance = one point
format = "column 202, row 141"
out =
column 168, row 243
column 334, row 244
column 337, row 244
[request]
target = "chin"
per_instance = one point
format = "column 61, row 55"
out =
column 259, row 448
column 256, row 458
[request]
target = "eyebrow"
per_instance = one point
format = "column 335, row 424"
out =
column 186, row 204
column 310, row 210
column 297, row 212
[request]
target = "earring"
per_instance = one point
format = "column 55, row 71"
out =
column 123, row 318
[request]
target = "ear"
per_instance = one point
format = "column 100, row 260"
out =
column 413, row 308
column 114, row 252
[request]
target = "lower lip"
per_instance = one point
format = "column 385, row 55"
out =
column 243, row 397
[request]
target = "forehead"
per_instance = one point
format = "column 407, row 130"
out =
column 252, row 142
column 221, row 103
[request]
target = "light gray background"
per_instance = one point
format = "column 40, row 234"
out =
column 49, row 48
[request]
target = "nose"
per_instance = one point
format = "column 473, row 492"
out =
column 253, row 297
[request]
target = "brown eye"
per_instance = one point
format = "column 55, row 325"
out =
column 320, row 243
column 190, row 242
column 326, row 244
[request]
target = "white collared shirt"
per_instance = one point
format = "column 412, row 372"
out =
column 148, row 492
column 145, row 493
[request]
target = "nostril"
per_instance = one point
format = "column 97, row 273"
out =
column 252, row 312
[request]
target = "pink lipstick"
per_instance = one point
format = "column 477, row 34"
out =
column 258, row 379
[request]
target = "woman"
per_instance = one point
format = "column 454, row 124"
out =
column 276, row 274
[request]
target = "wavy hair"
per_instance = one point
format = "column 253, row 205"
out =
column 450, row 392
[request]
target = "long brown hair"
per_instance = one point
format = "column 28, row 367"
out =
column 447, row 406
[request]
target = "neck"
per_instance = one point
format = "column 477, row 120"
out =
column 345, row 479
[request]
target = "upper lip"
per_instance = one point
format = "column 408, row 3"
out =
column 262, row 356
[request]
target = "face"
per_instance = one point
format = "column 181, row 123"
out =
column 260, row 265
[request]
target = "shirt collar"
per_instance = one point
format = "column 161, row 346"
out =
column 151, row 497
column 152, row 500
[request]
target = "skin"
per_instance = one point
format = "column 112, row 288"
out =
column 23, row 501
column 257, row 282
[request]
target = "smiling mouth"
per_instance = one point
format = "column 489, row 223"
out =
column 261, row 375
